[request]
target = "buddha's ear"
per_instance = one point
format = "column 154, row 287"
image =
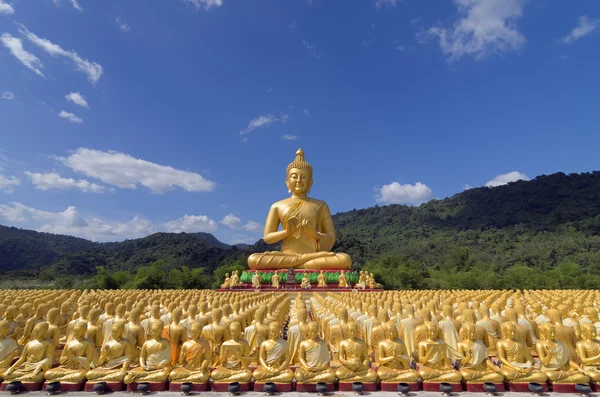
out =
column 288, row 185
column 310, row 185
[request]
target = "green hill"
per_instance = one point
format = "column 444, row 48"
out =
column 539, row 233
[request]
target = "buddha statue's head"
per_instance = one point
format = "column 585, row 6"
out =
column 588, row 331
column 299, row 175
column 41, row 329
column 469, row 331
column 547, row 331
column 52, row 316
column 390, row 329
column 117, row 330
column 156, row 329
column 509, row 330
column 312, row 330
column 4, row 328
column 274, row 330
column 431, row 330
column 196, row 331
column 235, row 329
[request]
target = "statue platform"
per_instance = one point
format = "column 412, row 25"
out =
column 478, row 387
column 281, row 387
column 435, row 386
column 196, row 387
column 27, row 386
column 154, row 386
column 347, row 386
column 222, row 387
column 110, row 386
column 67, row 386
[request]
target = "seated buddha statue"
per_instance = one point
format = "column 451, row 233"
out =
column 556, row 362
column 256, row 280
column 75, row 360
column 307, row 234
column 35, row 359
column 305, row 284
column 321, row 279
column 517, row 365
column 394, row 363
column 434, row 357
column 273, row 358
column 476, row 367
column 588, row 350
column 342, row 280
column 155, row 358
column 115, row 357
column 8, row 347
column 314, row 358
column 354, row 357
column 226, row 282
column 195, row 357
column 233, row 358
column 275, row 280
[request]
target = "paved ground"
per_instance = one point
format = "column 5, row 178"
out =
column 296, row 394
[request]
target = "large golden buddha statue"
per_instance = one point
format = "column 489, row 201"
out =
column 307, row 234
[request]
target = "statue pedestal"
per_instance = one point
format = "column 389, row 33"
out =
column 595, row 386
column 312, row 387
column 563, row 388
column 478, row 387
column 435, row 386
column 393, row 386
column 196, row 387
column 222, row 387
column 281, row 387
column 154, row 386
column 67, row 386
column 347, row 386
column 27, row 386
column 521, row 387
column 111, row 386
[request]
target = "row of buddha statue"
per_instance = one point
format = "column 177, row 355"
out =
column 365, row 280
column 230, row 336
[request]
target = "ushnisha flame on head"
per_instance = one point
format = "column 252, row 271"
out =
column 299, row 163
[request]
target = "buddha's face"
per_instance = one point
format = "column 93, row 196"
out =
column 431, row 331
column 235, row 330
column 156, row 330
column 469, row 331
column 274, row 330
column 588, row 332
column 313, row 330
column 550, row 332
column 117, row 331
column 299, row 181
column 4, row 328
column 509, row 330
column 391, row 332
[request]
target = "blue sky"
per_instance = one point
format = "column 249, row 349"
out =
column 123, row 118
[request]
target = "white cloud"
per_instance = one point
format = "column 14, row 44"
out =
column 290, row 137
column 468, row 187
column 191, row 224
column 389, row 3
column 503, row 179
column 485, row 27
column 312, row 49
column 8, row 95
column 55, row 181
column 395, row 193
column 15, row 45
column 207, row 4
column 6, row 8
column 252, row 226
column 93, row 70
column 122, row 25
column 264, row 121
column 294, row 25
column 77, row 99
column 306, row 112
column 585, row 27
column 70, row 116
column 122, row 170
column 244, row 240
column 7, row 184
column 232, row 221
column 76, row 5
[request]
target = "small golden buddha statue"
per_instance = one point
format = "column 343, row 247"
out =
column 275, row 280
column 556, row 362
column 342, row 280
column 305, row 284
column 394, row 363
column 176, row 334
column 476, row 367
column 115, row 357
column 256, row 280
column 53, row 327
column 321, row 279
column 75, row 360
column 8, row 347
column 314, row 359
column 155, row 358
column 234, row 281
column 94, row 328
column 35, row 359
column 516, row 362
column 196, row 356
column 233, row 358
column 256, row 333
column 215, row 333
column 588, row 351
column 308, row 233
column 354, row 357
column 273, row 358
column 434, row 357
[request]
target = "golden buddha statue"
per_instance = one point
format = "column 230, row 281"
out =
column 556, row 362
column 321, row 279
column 75, row 360
column 53, row 327
column 115, row 357
column 588, row 351
column 256, row 280
column 305, row 284
column 275, row 280
column 155, row 358
column 314, row 359
column 233, row 358
column 517, row 365
column 94, row 328
column 342, row 280
column 434, row 357
column 35, row 359
column 274, row 358
column 176, row 334
column 256, row 333
column 296, row 334
column 8, row 347
column 227, row 281
column 394, row 363
column 354, row 357
column 196, row 356
column 476, row 367
column 307, row 234
column 215, row 333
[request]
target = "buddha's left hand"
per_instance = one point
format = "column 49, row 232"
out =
column 310, row 229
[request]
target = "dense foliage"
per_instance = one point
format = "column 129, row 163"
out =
column 543, row 233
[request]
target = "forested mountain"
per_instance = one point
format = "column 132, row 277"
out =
column 539, row 233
